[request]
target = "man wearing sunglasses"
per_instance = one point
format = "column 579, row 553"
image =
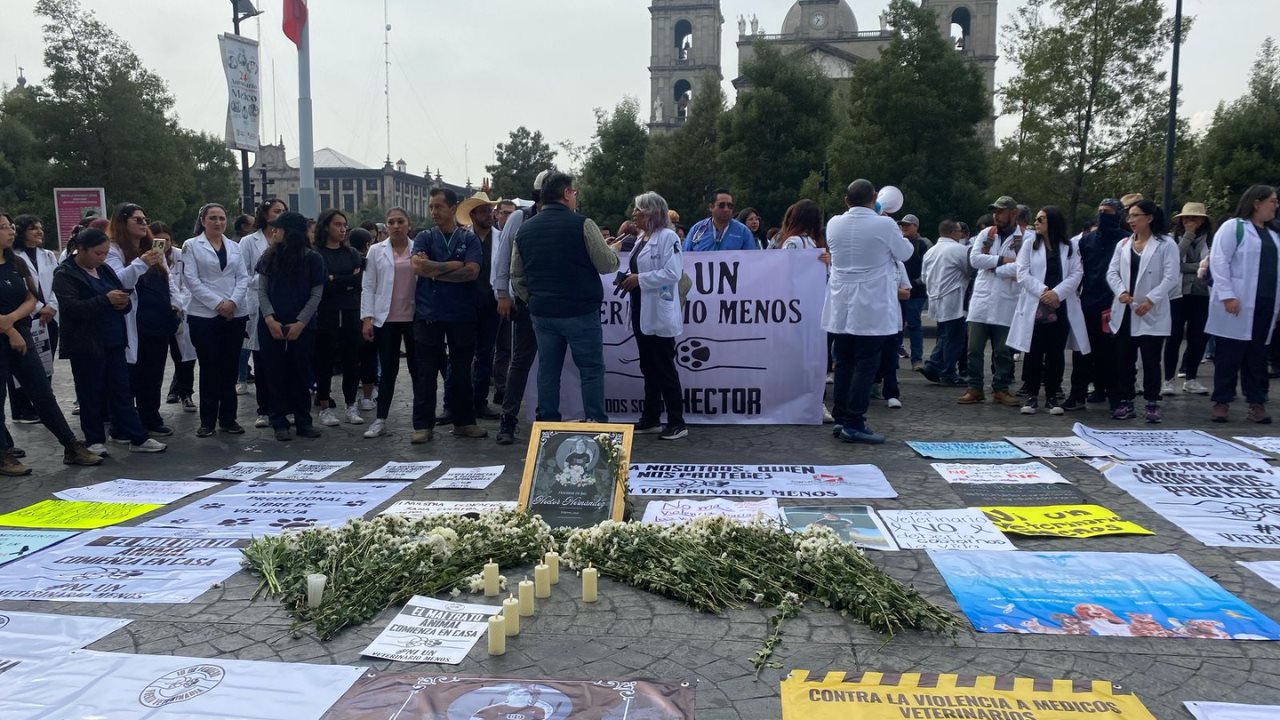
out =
column 720, row 231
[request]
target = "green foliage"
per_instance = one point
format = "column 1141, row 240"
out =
column 683, row 166
column 613, row 172
column 518, row 161
column 24, row 168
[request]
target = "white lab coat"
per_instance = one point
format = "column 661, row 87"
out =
column 378, row 282
column 129, row 276
column 862, row 292
column 1032, row 266
column 945, row 271
column 43, row 275
column 1235, row 276
column 659, row 266
column 995, row 289
column 252, row 248
column 1158, row 274
column 180, row 296
column 208, row 282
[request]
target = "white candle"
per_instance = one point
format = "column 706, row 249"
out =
column 490, row 578
column 497, row 635
column 315, row 589
column 526, row 597
column 542, row 581
column 552, row 560
column 590, row 577
column 511, row 615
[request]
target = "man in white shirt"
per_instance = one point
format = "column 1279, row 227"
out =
column 861, row 307
column 994, row 254
column 946, row 278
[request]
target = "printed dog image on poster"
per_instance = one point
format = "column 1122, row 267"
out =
column 575, row 473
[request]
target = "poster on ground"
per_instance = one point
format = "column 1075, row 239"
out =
column 1095, row 593
column 403, row 470
column 16, row 544
column 41, row 636
column 978, row 495
column 430, row 630
column 74, row 514
column 1268, row 443
column 992, row 450
column 1220, row 502
column 311, row 470
column 245, row 470
column 477, row 478
column 378, row 696
column 270, row 508
column 1058, row 447
column 672, row 512
column 1026, row 473
column 958, row 529
column 1231, row 711
column 856, row 524
column 777, row 481
column 929, row 696
column 152, row 492
column 413, row 509
column 1161, row 444
column 1072, row 521
column 89, row 684
column 125, row 564
column 1268, row 570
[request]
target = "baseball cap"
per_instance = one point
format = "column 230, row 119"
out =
column 1004, row 202
column 909, row 220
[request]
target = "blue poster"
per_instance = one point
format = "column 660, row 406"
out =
column 1095, row 593
column 15, row 544
column 994, row 450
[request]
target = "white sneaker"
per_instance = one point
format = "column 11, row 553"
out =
column 366, row 404
column 377, row 429
column 329, row 418
column 150, row 446
column 826, row 416
column 262, row 422
column 1194, row 387
column 894, row 403
column 242, row 388
column 353, row 415
column 98, row 449
column 1167, row 388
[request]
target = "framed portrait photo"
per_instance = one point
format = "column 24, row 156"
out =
column 575, row 473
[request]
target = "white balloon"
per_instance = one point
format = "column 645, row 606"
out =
column 890, row 199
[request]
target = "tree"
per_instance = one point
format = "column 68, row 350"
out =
column 24, row 168
column 211, row 176
column 683, row 166
column 1242, row 146
column 613, row 172
column 518, row 161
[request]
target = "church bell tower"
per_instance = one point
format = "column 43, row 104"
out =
column 686, row 50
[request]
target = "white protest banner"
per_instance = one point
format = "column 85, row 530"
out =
column 430, row 630
column 413, row 509
column 311, row 470
column 671, row 512
column 958, row 529
column 1159, row 444
column 403, row 470
column 779, row 481
column 1056, row 447
column 752, row 350
column 153, row 492
column 1224, row 503
column 1231, row 711
column 124, row 564
column 1267, row 443
column 1025, row 473
column 89, row 684
column 20, row 543
column 240, row 63
column 468, row 478
column 993, row 450
column 38, row 636
column 245, row 470
column 269, row 508
column 1268, row 570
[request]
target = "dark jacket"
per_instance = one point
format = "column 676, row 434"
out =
column 343, row 291
column 82, row 310
column 561, row 278
column 1096, row 249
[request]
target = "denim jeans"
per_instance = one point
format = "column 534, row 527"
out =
column 911, row 310
column 582, row 336
column 947, row 350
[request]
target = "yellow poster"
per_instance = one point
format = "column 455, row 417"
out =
column 74, row 514
column 1073, row 521
column 884, row 696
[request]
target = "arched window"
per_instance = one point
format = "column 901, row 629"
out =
column 684, row 40
column 683, row 96
column 961, row 25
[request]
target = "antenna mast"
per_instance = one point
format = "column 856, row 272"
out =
column 386, row 87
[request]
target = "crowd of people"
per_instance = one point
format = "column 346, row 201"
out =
column 471, row 301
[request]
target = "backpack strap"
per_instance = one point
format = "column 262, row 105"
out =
column 1239, row 231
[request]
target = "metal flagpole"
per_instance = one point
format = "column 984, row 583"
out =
column 307, row 201
column 1171, row 141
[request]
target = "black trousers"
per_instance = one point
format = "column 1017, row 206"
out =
column 1046, row 360
column 368, row 362
column 1098, row 367
column 29, row 371
column 431, row 339
column 487, row 324
column 1190, row 313
column 19, row 403
column 146, row 376
column 524, row 348
column 1245, row 359
column 1128, row 348
column 217, row 342
column 262, row 389
column 183, row 383
column 388, row 339
column 501, row 359
column 338, row 339
column 858, row 358
column 286, row 366
column 661, row 379
column 102, row 387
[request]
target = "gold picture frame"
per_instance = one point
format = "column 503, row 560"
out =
column 573, row 479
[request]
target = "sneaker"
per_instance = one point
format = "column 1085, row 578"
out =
column 863, row 434
column 902, row 353
column 261, row 422
column 98, row 449
column 233, row 429
column 957, row 381
column 1258, row 414
column 1022, row 391
column 876, row 392
column 161, row 431
column 282, row 435
column 507, row 431
column 893, row 403
column 469, row 431
column 75, row 408
column 1029, row 406
column 831, row 378
column 242, row 388
column 150, row 445
column 647, row 427
column 1219, row 412
column 1072, row 404
column 367, row 404
column 1096, row 398
column 77, row 454
column 1182, row 373
column 27, row 420
column 377, row 428
column 353, row 415
column 971, row 397
column 1123, row 411
column 188, row 405
column 929, row 374
column 487, row 412
column 1153, row 413
column 308, row 432
column 171, row 399
column 827, row 419
column 1195, row 387
column 1002, row 397
column 422, row 436
column 1167, row 388
column 674, row 432
column 917, row 366
column 1055, row 404
column 329, row 418
column 10, row 467
column 204, row 431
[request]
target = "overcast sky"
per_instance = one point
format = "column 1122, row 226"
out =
column 463, row 74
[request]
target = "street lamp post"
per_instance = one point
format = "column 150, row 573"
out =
column 1170, row 141
column 243, row 10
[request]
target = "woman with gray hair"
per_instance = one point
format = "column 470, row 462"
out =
column 652, row 282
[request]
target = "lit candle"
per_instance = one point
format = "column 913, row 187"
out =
column 490, row 578
column 590, row 576
column 552, row 560
column 526, row 597
column 315, row 589
column 542, row 581
column 497, row 635
column 511, row 614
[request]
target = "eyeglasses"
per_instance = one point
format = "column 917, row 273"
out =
column 140, row 220
column 724, row 205
column 571, row 191
column 1041, row 219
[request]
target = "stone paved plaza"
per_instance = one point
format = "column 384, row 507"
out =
column 632, row 634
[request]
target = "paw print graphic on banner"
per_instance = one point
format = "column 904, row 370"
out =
column 212, row 506
column 292, row 523
column 355, row 503
column 235, row 522
column 701, row 353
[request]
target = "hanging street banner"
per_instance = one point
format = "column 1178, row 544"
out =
column 1162, row 444
column 1026, row 473
column 672, row 512
column 16, row 544
column 126, row 565
column 89, row 684
column 410, row 696
column 1268, row 570
column 246, row 470
column 959, row 529
column 430, row 630
column 1223, row 503
column 761, row 481
column 1231, row 711
column 1096, row 593
column 39, row 636
column 413, row 509
column 467, row 478
column 1057, row 447
column 1072, row 521
column 75, row 514
column 311, row 470
column 927, row 696
column 982, row 494
column 993, row 450
column 856, row 524
column 270, row 508
column 244, row 91
column 154, row 492
column 72, row 204
column 403, row 470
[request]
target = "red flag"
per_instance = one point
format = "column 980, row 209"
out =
column 295, row 18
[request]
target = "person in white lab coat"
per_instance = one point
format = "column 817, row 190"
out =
column 946, row 279
column 994, row 254
column 1048, row 318
column 1245, row 264
column 1144, row 272
column 29, row 248
column 861, row 307
column 252, row 247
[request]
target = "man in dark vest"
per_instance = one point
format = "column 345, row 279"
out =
column 556, row 266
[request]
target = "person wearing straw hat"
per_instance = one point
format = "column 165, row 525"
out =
column 1194, row 231
column 477, row 211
